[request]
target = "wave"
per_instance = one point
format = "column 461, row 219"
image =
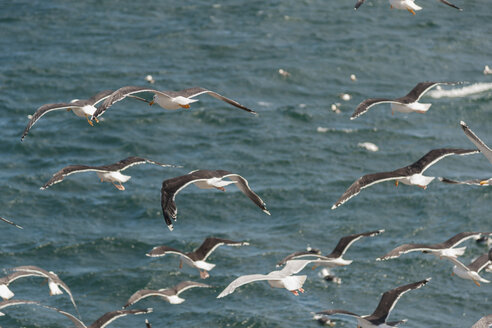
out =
column 461, row 92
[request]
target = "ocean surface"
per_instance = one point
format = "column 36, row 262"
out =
column 297, row 154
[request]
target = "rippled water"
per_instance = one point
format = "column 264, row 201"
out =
column 96, row 237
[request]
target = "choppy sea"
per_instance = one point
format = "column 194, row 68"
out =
column 297, row 154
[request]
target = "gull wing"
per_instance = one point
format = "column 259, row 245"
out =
column 10, row 222
column 211, row 243
column 296, row 255
column 159, row 251
column 185, row 285
column 451, row 5
column 243, row 185
column 243, row 280
column 480, row 263
column 484, row 322
column 69, row 170
column 364, row 106
column 486, row 151
column 345, row 242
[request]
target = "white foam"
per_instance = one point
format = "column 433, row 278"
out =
column 461, row 92
column 369, row 146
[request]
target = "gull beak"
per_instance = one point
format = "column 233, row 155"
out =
column 151, row 102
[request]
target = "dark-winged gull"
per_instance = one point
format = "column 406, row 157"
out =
column 166, row 99
column 472, row 182
column 104, row 320
column 444, row 249
column 471, row 271
column 407, row 5
column 410, row 175
column 484, row 322
column 5, row 292
column 54, row 282
column 203, row 179
column 407, row 104
column 385, row 306
column 168, row 294
column 10, row 222
column 110, row 173
column 278, row 279
column 5, row 304
column 197, row 259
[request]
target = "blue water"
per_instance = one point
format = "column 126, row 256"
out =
column 95, row 237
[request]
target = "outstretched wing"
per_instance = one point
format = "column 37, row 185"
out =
column 480, row 263
column 345, row 242
column 69, row 170
column 243, row 280
column 185, row 285
column 10, row 222
column 144, row 293
column 364, row 106
column 129, row 162
column 160, row 251
column 486, row 151
column 211, row 243
column 196, row 91
column 109, row 317
column 451, row 5
column 43, row 110
column 309, row 253
column 406, row 248
column 243, row 185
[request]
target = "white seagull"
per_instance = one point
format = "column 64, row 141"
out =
column 104, row 320
column 170, row 100
column 406, row 5
column 203, row 179
column 471, row 272
column 385, row 306
column 197, row 259
column 410, row 175
column 110, row 173
column 278, row 279
column 444, row 249
column 168, row 294
column 407, row 104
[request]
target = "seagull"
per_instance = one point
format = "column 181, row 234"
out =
column 54, row 282
column 385, row 306
column 334, row 259
column 444, row 249
column 81, row 108
column 10, row 222
column 166, row 99
column 473, row 182
column 104, row 320
column 407, row 104
column 110, row 173
column 5, row 304
column 278, row 279
column 197, row 259
column 5, row 292
column 147, row 324
column 471, row 272
column 484, row 149
column 203, row 179
column 406, row 4
column 484, row 322
column 170, row 294
column 410, row 175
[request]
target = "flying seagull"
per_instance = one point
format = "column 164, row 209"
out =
column 166, row 99
column 334, row 259
column 385, row 306
column 5, row 292
column 197, row 259
column 81, row 108
column 54, row 282
column 406, row 5
column 203, row 179
column 484, row 322
column 410, row 175
column 407, row 104
column 444, row 249
column 168, row 294
column 278, row 279
column 471, row 272
column 5, row 304
column 104, row 320
column 10, row 222
column 110, row 173
column 473, row 182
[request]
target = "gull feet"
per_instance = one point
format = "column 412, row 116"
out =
column 204, row 274
column 476, row 283
column 221, row 188
column 184, row 106
column 119, row 186
column 411, row 11
column 88, row 120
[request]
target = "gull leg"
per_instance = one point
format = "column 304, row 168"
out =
column 423, row 187
column 204, row 274
column 184, row 106
column 476, row 283
column 119, row 186
column 221, row 188
column 301, row 290
column 88, row 120
column 180, row 264
column 314, row 266
column 102, row 180
column 396, row 183
column 452, row 274
column 391, row 6
column 95, row 119
column 294, row 292
column 411, row 10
